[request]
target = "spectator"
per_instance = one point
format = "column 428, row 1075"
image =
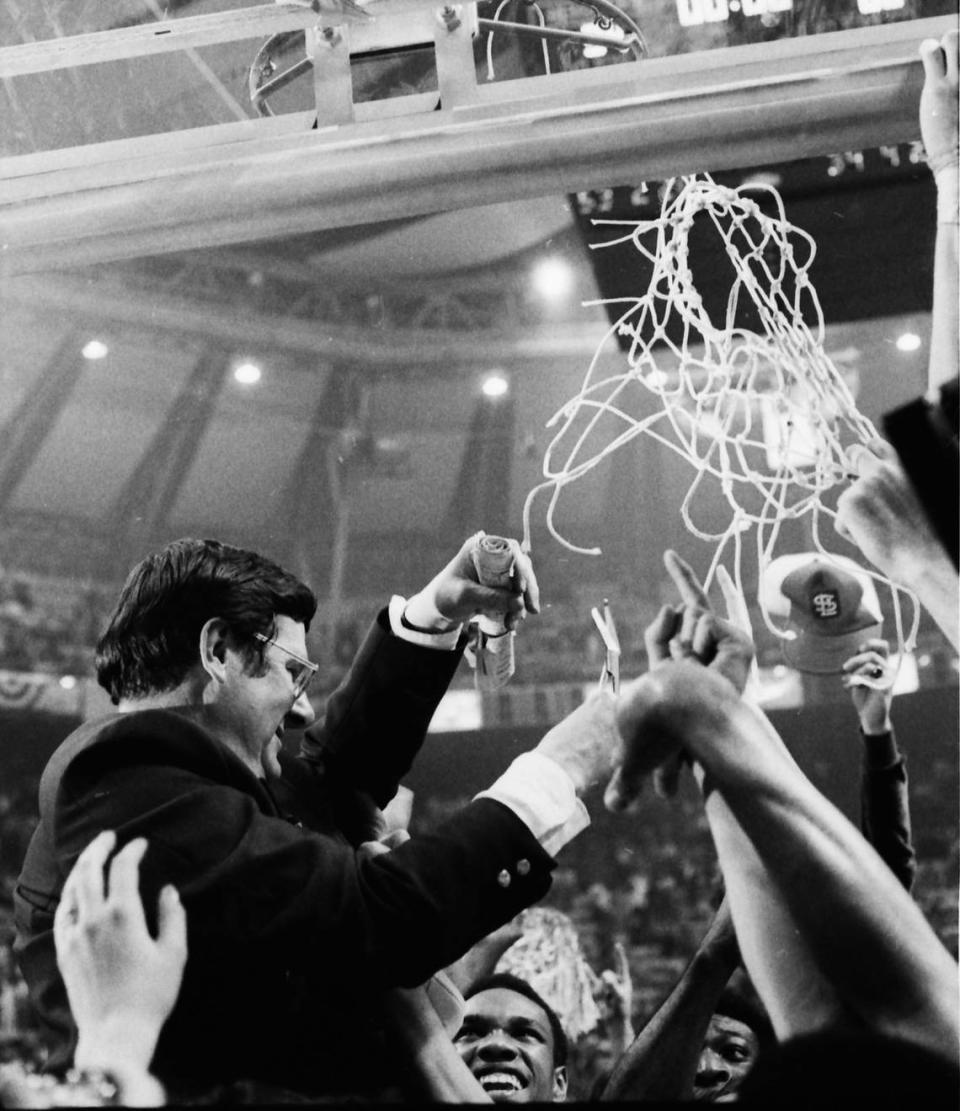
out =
column 884, row 801
column 122, row 984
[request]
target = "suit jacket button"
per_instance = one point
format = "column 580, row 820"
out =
column 523, row 867
column 504, row 878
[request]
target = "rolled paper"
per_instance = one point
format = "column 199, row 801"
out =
column 493, row 558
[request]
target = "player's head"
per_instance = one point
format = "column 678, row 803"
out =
column 512, row 1042
column 739, row 1031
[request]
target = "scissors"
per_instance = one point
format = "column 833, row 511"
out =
column 610, row 676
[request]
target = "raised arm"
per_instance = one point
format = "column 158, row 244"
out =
column 882, row 515
column 862, row 940
column 661, row 1064
column 939, row 128
column 375, row 722
column 806, row 1001
column 884, row 800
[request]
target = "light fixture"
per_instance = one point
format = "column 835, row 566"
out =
column 909, row 341
column 247, row 374
column 553, row 278
column 495, row 385
column 614, row 32
column 94, row 349
column 68, row 682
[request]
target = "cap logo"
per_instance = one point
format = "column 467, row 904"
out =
column 825, row 604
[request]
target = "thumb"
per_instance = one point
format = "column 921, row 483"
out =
column 171, row 920
column 623, row 789
column 397, row 837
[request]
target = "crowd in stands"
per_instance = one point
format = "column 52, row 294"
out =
column 50, row 625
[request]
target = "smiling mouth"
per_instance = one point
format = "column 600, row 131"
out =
column 501, row 1083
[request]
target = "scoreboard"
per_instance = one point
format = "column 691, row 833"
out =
column 693, row 13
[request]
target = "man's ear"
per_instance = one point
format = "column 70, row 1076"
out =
column 559, row 1084
column 213, row 648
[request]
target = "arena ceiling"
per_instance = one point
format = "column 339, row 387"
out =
column 368, row 422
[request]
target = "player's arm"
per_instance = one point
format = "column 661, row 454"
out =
column 661, row 1064
column 939, row 128
column 865, row 950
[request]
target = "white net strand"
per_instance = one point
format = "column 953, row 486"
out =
column 725, row 383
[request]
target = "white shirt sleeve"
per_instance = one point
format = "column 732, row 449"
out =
column 423, row 617
column 543, row 797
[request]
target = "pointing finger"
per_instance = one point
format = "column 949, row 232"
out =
column 687, row 583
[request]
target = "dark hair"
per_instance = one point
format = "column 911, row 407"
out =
column 853, row 1068
column 746, row 1007
column 509, row 982
column 151, row 640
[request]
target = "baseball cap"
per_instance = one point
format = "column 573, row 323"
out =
column 831, row 608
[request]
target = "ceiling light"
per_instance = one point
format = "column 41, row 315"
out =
column 94, row 349
column 68, row 682
column 495, row 385
column 247, row 374
column 553, row 278
column 909, row 341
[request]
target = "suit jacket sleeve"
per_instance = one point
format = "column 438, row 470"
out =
column 376, row 720
column 271, row 887
column 885, row 810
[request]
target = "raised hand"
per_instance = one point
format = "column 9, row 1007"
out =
column 869, row 678
column 121, row 983
column 616, row 998
column 938, row 101
column 456, row 593
column 881, row 514
column 692, row 630
column 586, row 743
column 720, row 643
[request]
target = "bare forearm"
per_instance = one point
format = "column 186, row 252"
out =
column 938, row 588
column 945, row 319
column 662, row 1061
column 847, row 906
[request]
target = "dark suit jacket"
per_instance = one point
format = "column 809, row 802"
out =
column 291, row 934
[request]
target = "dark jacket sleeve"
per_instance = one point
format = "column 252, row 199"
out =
column 885, row 807
column 271, row 887
column 376, row 720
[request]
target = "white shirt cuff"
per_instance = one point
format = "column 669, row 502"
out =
column 543, row 797
column 442, row 640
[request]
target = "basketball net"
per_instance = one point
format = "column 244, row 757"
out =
column 709, row 394
column 548, row 957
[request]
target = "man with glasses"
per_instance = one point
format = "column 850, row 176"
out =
column 293, row 933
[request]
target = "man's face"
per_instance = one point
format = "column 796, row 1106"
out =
column 257, row 708
column 507, row 1044
column 729, row 1052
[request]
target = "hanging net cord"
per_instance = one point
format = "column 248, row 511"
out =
column 764, row 415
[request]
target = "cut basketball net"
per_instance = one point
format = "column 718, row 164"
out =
column 708, row 390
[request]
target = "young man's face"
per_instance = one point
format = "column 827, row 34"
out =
column 729, row 1052
column 257, row 708
column 507, row 1044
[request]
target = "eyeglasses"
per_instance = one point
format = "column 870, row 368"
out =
column 307, row 669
